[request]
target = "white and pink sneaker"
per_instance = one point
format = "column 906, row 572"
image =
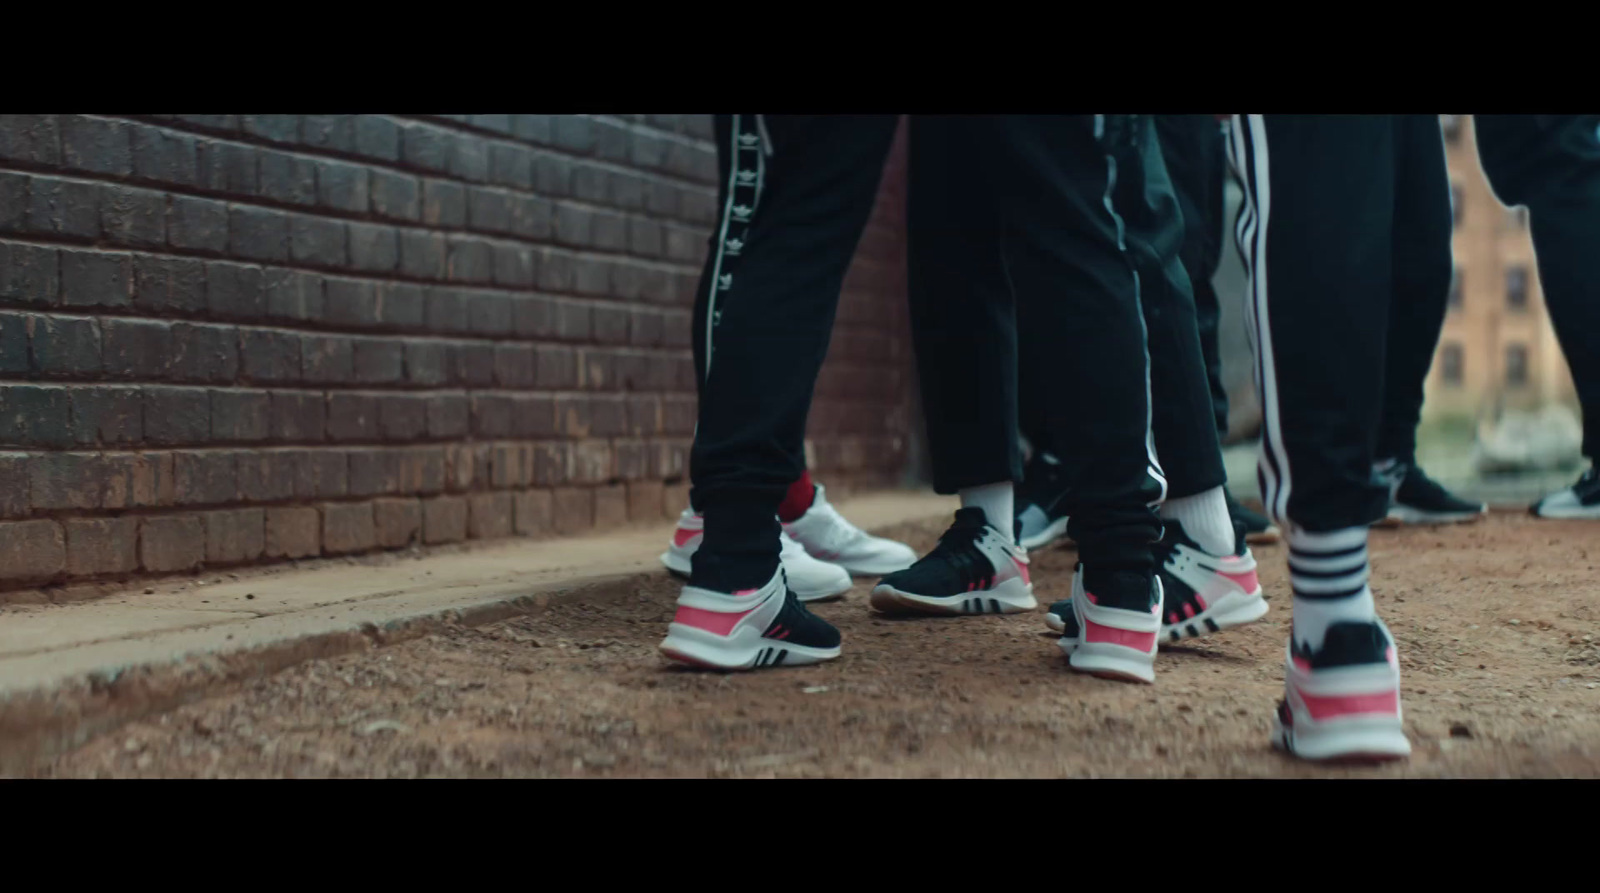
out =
column 766, row 627
column 1342, row 701
column 1113, row 641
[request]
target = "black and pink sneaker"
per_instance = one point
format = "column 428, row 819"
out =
column 766, row 627
column 1342, row 701
column 974, row 569
column 1112, row 639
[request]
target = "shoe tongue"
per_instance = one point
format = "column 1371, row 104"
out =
column 971, row 516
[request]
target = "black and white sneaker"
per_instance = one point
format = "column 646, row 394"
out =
column 1039, row 521
column 1257, row 527
column 1202, row 593
column 973, row 570
column 764, row 627
column 1581, row 501
column 1415, row 498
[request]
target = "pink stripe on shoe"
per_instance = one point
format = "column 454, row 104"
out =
column 1337, row 706
column 710, row 621
column 1139, row 641
column 1245, row 580
column 683, row 536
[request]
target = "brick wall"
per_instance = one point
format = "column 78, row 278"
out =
column 228, row 339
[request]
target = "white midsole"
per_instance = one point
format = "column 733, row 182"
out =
column 737, row 651
column 1405, row 514
column 1013, row 596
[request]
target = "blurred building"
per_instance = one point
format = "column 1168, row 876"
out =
column 1498, row 350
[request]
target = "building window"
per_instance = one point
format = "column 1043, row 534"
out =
column 1516, row 365
column 1517, row 289
column 1456, row 201
column 1450, row 362
column 1455, row 289
column 1451, row 124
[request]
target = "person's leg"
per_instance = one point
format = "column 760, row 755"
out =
column 1048, row 185
column 1551, row 165
column 964, row 339
column 1195, row 151
column 797, row 194
column 1317, row 238
column 1195, row 155
column 1421, row 274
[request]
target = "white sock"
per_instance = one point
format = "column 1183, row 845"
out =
column 995, row 500
column 1204, row 517
column 1328, row 572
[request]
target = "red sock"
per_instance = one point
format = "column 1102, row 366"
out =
column 798, row 500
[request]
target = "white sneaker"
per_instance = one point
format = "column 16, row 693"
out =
column 811, row 580
column 826, row 535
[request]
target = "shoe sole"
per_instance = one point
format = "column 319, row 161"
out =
column 1057, row 530
column 1362, row 740
column 676, row 565
column 1011, row 597
column 696, row 647
column 1401, row 515
column 1234, row 609
column 1591, row 513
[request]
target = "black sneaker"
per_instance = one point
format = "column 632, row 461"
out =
column 764, row 627
column 973, row 570
column 1579, row 501
column 1257, row 529
column 1415, row 498
column 1202, row 593
column 1039, row 521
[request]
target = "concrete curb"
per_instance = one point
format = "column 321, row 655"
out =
column 43, row 720
column 46, row 722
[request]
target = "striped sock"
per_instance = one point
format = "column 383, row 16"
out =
column 1328, row 572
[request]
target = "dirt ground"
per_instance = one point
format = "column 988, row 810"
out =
column 1497, row 622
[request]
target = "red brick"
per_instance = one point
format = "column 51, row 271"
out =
column 31, row 550
column 102, row 546
column 574, row 509
column 533, row 512
column 235, row 535
column 66, row 480
column 589, row 462
column 422, row 470
column 348, row 527
column 490, row 515
column 444, row 519
column 172, row 543
column 399, row 521
column 293, row 532
column 644, row 500
column 610, row 506
column 511, row 465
